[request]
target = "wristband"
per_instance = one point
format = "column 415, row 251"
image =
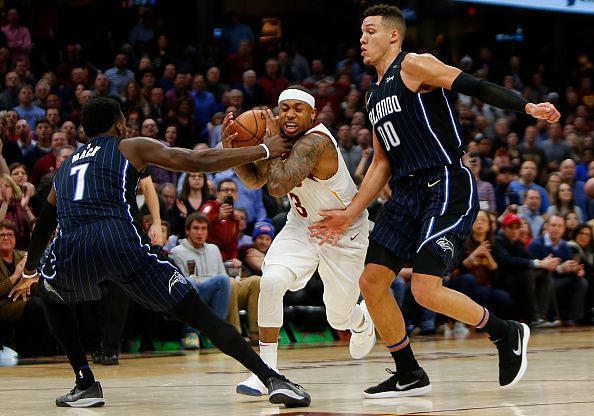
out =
column 267, row 151
column 29, row 276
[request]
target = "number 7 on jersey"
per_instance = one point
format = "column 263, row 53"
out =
column 79, row 187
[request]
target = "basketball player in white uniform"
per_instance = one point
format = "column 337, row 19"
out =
column 315, row 177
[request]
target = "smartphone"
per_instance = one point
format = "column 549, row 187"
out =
column 228, row 200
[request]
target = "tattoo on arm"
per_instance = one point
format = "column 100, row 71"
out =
column 306, row 154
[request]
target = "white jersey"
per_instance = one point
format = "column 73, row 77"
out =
column 314, row 194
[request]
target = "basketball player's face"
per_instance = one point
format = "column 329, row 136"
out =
column 376, row 39
column 295, row 117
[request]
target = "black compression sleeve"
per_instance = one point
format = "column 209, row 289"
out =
column 489, row 93
column 44, row 228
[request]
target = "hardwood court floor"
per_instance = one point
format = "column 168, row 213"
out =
column 559, row 381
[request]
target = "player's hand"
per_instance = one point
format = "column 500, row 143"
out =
column 272, row 127
column 22, row 289
column 331, row 228
column 156, row 234
column 277, row 146
column 228, row 133
column 544, row 111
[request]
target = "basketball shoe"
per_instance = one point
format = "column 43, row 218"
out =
column 513, row 359
column 282, row 391
column 363, row 342
column 91, row 397
column 413, row 383
column 252, row 386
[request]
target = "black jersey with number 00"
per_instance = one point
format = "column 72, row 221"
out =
column 418, row 131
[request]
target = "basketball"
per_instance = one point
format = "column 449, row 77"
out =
column 589, row 188
column 250, row 127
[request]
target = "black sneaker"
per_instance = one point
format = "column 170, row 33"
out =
column 513, row 360
column 110, row 359
column 283, row 391
column 97, row 357
column 91, row 397
column 414, row 383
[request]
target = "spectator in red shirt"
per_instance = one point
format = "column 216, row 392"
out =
column 272, row 84
column 47, row 163
column 224, row 227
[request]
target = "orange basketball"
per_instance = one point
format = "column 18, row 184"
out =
column 589, row 188
column 250, row 127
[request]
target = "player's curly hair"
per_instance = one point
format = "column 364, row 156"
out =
column 391, row 14
column 99, row 114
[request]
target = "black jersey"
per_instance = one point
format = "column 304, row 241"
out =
column 97, row 182
column 417, row 131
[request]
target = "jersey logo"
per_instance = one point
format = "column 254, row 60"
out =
column 389, row 79
column 431, row 185
column 445, row 244
column 176, row 277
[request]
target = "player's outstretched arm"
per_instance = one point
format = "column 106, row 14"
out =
column 141, row 151
column 44, row 228
column 307, row 152
column 253, row 175
column 420, row 72
column 335, row 222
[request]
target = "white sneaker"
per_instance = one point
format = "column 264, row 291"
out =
column 251, row 386
column 460, row 330
column 363, row 342
column 8, row 357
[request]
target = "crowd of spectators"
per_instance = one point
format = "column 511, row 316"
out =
column 531, row 253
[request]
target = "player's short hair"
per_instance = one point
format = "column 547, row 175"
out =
column 99, row 114
column 390, row 15
column 196, row 217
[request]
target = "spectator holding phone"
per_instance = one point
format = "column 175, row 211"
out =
column 224, row 227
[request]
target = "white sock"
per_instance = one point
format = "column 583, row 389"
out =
column 268, row 353
column 358, row 322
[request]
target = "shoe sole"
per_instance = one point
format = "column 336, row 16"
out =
column 524, row 364
column 395, row 394
column 289, row 398
column 92, row 402
column 248, row 391
column 363, row 306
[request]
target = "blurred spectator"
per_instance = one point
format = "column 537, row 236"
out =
column 15, row 208
column 9, row 98
column 262, row 237
column 272, row 83
column 582, row 246
column 249, row 199
column 528, row 280
column 26, row 109
column 204, row 102
column 530, row 211
column 243, row 239
column 571, row 223
column 25, row 139
column 47, row 163
column 193, row 195
column 17, row 36
column 224, row 227
column 167, row 79
column 202, row 264
column 530, row 151
column 43, row 134
column 350, row 65
column 485, row 191
column 239, row 62
column 570, row 285
column 525, row 182
column 552, row 184
column 157, row 109
column 235, row 31
column 28, row 313
column 252, row 92
column 63, row 152
column 567, row 171
column 318, row 74
column 563, row 202
column 119, row 76
column 214, row 86
column 351, row 153
column 132, row 99
column 555, row 148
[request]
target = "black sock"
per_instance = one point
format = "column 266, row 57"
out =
column 403, row 357
column 84, row 377
column 195, row 313
column 63, row 327
column 496, row 328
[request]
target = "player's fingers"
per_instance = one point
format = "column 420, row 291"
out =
column 325, row 237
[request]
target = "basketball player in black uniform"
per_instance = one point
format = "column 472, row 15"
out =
column 417, row 142
column 98, row 238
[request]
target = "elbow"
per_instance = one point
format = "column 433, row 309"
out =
column 276, row 190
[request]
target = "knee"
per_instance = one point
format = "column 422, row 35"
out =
column 373, row 284
column 275, row 280
column 424, row 294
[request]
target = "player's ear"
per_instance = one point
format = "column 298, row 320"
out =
column 394, row 36
column 314, row 113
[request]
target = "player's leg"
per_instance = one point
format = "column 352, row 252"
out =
column 160, row 286
column 86, row 392
column 409, row 379
column 340, row 269
column 289, row 264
